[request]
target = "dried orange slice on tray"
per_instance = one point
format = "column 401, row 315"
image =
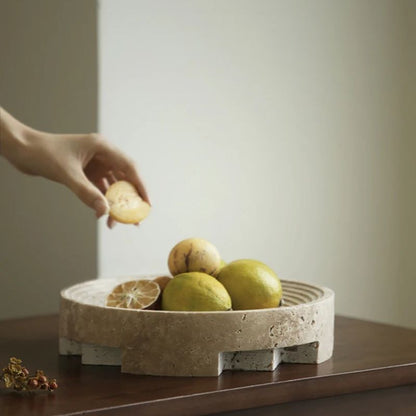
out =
column 126, row 205
column 135, row 294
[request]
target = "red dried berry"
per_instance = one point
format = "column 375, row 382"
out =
column 33, row 383
column 42, row 379
column 53, row 385
column 25, row 371
column 44, row 386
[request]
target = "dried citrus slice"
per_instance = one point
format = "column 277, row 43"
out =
column 126, row 205
column 135, row 294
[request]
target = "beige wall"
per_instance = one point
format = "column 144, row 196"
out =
column 407, row 274
column 279, row 130
column 48, row 79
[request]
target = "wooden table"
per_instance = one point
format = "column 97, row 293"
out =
column 373, row 371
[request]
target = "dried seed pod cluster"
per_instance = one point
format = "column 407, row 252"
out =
column 17, row 377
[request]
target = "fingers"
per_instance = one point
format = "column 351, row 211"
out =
column 88, row 193
column 137, row 182
column 111, row 222
column 124, row 168
column 103, row 185
column 111, row 177
column 110, row 165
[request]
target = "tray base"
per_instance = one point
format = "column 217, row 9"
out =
column 260, row 360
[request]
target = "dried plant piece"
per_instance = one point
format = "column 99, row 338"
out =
column 126, row 205
column 135, row 294
column 16, row 376
column 8, row 379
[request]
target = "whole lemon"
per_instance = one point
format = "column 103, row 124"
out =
column 195, row 291
column 194, row 255
column 251, row 284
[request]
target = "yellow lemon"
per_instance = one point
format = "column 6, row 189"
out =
column 126, row 205
column 194, row 255
column 195, row 291
column 251, row 285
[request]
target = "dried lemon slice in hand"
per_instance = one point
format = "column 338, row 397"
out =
column 126, row 205
column 136, row 294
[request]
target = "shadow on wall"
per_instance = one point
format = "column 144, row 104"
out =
column 49, row 81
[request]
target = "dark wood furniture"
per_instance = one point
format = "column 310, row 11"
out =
column 373, row 371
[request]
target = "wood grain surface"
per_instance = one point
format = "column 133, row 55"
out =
column 367, row 356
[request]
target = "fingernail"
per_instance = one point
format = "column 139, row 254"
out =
column 101, row 207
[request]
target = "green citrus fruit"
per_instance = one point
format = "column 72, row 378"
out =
column 195, row 291
column 251, row 285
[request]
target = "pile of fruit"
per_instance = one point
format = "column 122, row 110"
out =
column 202, row 281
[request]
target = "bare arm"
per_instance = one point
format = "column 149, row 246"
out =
column 85, row 163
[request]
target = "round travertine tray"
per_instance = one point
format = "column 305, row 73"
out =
column 196, row 343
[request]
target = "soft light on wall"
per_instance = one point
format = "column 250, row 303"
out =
column 279, row 130
column 272, row 129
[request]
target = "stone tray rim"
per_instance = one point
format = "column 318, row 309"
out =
column 326, row 293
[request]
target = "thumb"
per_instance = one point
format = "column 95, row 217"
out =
column 89, row 194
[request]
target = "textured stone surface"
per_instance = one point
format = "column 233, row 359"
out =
column 194, row 343
column 69, row 347
column 262, row 360
column 96, row 354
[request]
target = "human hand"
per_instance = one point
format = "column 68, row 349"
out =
column 85, row 163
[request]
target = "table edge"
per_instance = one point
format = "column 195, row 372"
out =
column 267, row 394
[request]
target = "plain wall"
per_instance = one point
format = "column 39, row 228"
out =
column 408, row 271
column 48, row 79
column 278, row 130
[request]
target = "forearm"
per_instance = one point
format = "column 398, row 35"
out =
column 15, row 138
